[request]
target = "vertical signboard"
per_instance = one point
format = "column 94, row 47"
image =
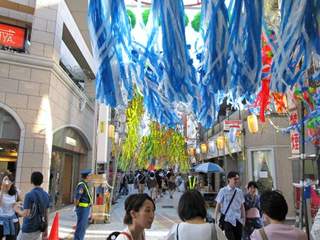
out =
column 294, row 134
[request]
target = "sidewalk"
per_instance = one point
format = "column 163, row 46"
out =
column 166, row 215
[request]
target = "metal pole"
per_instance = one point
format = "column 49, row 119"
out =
column 302, row 164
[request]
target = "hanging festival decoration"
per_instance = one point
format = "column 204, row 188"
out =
column 231, row 66
column 221, row 142
column 111, row 41
column 291, row 47
column 245, row 49
column 213, row 71
column 179, row 77
column 204, row 148
column 134, row 115
column 253, row 125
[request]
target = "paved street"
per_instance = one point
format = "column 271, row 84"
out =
column 166, row 216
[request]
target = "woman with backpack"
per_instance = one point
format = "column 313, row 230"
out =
column 9, row 197
column 139, row 215
column 193, row 212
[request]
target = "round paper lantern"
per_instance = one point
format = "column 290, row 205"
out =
column 253, row 123
column 111, row 131
column 204, row 148
column 191, row 151
column 221, row 141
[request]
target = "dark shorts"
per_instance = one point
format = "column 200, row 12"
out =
column 171, row 185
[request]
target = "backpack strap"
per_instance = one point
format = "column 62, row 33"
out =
column 177, row 231
column 127, row 235
column 263, row 234
column 234, row 194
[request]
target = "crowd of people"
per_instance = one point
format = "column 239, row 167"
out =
column 239, row 215
column 156, row 183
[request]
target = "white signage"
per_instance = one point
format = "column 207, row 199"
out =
column 71, row 141
column 227, row 124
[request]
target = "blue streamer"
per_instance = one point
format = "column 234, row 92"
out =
column 215, row 36
column 179, row 77
column 111, row 39
column 291, row 46
column 245, row 48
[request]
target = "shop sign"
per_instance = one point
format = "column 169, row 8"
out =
column 71, row 141
column 11, row 36
column 295, row 142
column 293, row 118
column 294, row 134
column 227, row 124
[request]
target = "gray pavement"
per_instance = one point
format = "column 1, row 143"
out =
column 165, row 216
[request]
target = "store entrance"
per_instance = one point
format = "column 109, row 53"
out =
column 9, row 142
column 69, row 152
column 67, row 183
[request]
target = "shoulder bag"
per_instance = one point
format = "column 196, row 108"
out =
column 223, row 215
column 42, row 211
column 263, row 234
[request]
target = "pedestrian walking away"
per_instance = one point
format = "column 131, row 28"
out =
column 82, row 202
column 275, row 208
column 230, row 205
column 192, row 211
column 35, row 211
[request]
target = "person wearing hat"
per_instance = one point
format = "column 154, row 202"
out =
column 82, row 201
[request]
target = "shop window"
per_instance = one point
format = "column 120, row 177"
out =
column 263, row 169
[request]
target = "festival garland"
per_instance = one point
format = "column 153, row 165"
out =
column 134, row 115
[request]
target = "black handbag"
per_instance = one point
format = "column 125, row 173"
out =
column 223, row 215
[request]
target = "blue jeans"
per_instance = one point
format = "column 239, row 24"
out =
column 82, row 222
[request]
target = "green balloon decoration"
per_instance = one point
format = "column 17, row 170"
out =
column 145, row 16
column 146, row 13
column 195, row 23
column 132, row 18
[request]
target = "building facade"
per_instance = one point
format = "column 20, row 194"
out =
column 46, row 94
column 263, row 157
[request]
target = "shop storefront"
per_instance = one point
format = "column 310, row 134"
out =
column 9, row 142
column 69, row 155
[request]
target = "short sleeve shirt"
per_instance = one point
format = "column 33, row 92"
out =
column 32, row 222
column 224, row 197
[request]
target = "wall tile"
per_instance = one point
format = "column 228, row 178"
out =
column 4, row 70
column 29, row 88
column 16, row 100
column 9, row 85
column 20, row 73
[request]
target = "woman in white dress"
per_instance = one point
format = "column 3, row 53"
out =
column 192, row 211
column 139, row 216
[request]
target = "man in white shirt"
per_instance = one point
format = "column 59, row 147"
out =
column 235, row 216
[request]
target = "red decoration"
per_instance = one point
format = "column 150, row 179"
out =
column 280, row 102
column 263, row 98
